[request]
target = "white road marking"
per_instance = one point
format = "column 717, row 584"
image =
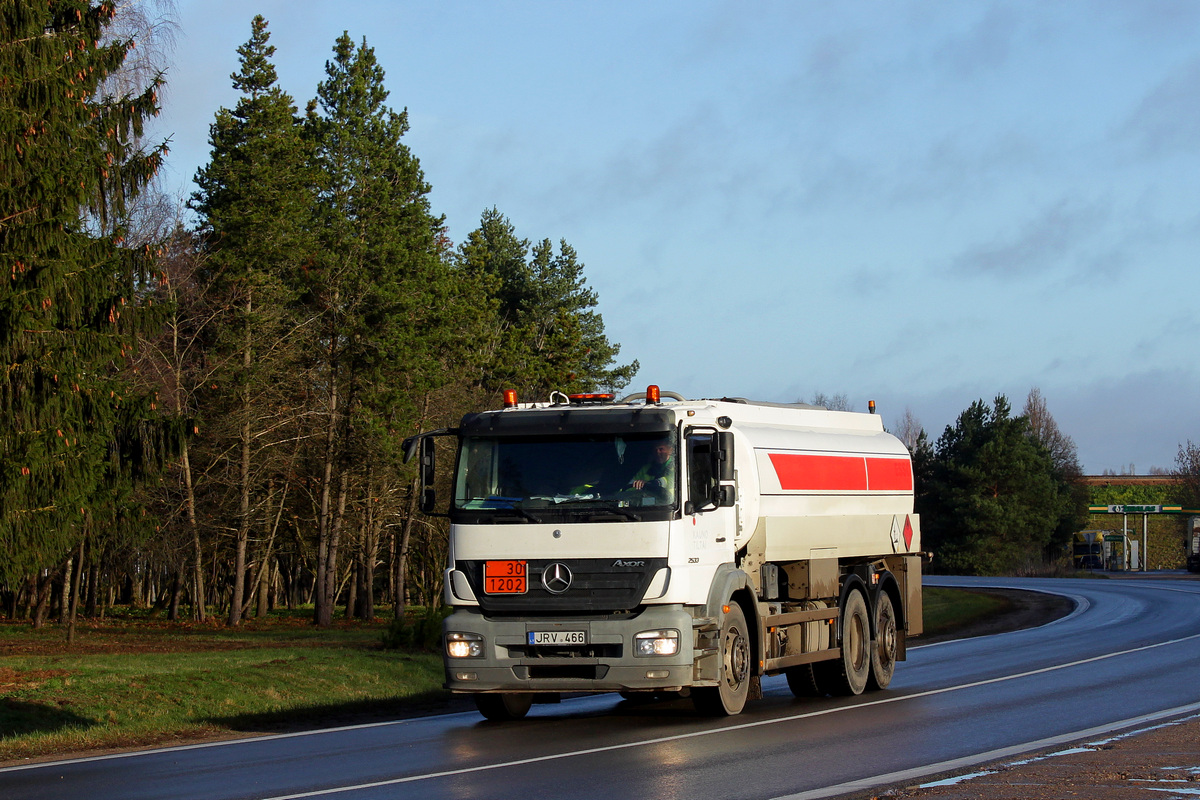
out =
column 1088, row 747
column 842, row 788
column 863, row 784
column 970, row 776
column 867, row 782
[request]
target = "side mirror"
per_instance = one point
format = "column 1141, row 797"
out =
column 428, row 494
column 428, row 500
column 723, row 455
column 423, row 444
column 724, row 495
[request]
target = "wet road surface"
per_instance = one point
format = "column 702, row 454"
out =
column 1127, row 655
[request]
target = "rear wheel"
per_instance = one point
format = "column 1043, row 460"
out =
column 883, row 648
column 502, row 707
column 848, row 674
column 729, row 696
column 802, row 680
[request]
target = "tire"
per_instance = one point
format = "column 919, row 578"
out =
column 729, row 696
column 802, row 680
column 847, row 676
column 504, row 707
column 885, row 644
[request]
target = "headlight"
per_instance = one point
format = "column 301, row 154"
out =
column 464, row 645
column 656, row 643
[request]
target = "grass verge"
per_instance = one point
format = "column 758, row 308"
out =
column 949, row 609
column 130, row 682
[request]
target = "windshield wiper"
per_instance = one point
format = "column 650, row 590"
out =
column 513, row 512
column 613, row 515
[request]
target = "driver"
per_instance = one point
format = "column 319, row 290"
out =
column 659, row 473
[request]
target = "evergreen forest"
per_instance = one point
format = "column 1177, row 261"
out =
column 203, row 406
column 203, row 409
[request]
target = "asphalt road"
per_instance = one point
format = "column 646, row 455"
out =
column 1128, row 654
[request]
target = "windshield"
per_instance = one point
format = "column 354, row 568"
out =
column 542, row 478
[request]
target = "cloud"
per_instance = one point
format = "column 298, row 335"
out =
column 966, row 166
column 1115, row 420
column 1157, row 24
column 1138, row 419
column 1167, row 120
column 1041, row 243
column 986, row 47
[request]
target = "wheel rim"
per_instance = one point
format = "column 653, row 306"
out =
column 737, row 658
column 887, row 638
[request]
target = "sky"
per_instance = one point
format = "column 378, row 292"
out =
column 922, row 204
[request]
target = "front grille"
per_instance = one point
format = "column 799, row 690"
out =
column 587, row 672
column 598, row 586
column 583, row 651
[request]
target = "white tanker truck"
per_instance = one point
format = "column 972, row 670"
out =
column 655, row 545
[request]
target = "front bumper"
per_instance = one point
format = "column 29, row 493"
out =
column 606, row 664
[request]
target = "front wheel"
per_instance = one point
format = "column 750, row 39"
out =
column 504, row 707
column 729, row 696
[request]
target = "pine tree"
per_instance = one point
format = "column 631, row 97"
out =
column 550, row 336
column 390, row 311
column 255, row 201
column 75, row 434
column 991, row 502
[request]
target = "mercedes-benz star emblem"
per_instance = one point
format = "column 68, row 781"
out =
column 556, row 578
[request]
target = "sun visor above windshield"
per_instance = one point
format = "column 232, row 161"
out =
column 537, row 422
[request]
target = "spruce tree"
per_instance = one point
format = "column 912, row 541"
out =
column 75, row 433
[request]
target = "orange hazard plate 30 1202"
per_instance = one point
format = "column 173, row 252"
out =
column 504, row 577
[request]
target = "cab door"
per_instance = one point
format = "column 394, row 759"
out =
column 708, row 516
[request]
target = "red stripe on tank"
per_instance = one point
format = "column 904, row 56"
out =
column 803, row 472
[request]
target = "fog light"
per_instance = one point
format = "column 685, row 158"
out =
column 465, row 676
column 464, row 645
column 656, row 643
column 658, row 674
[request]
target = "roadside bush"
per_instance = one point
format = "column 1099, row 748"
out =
column 419, row 631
